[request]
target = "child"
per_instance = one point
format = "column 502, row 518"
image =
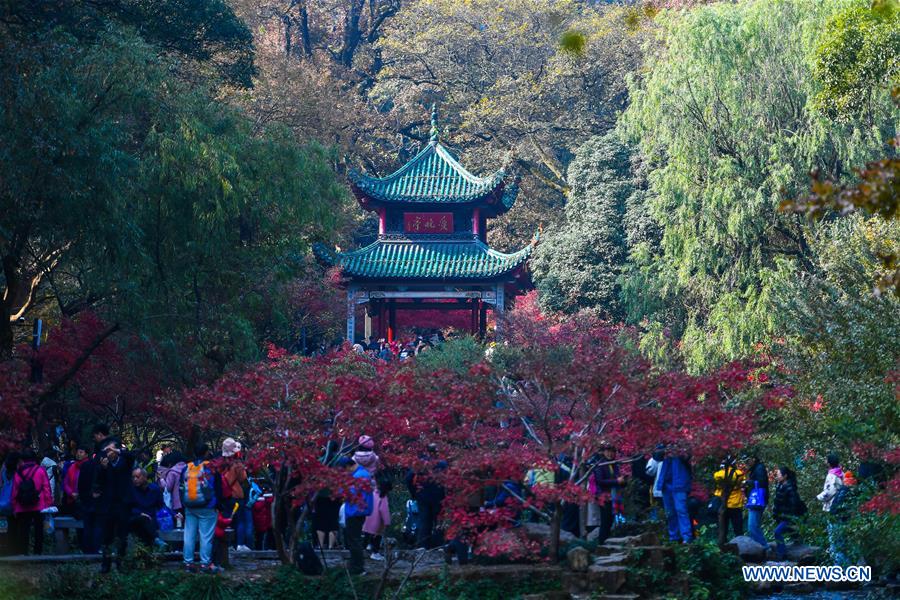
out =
column 380, row 518
column 262, row 521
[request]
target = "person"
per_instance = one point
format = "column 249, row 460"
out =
column 831, row 489
column 71, row 474
column 235, row 486
column 325, row 511
column 729, row 478
column 607, row 480
column 787, row 506
column 147, row 501
column 30, row 496
column 50, row 463
column 674, row 481
column 757, row 477
column 653, row 470
column 112, row 497
column 380, row 519
column 92, row 531
column 365, row 454
column 8, row 543
column 429, row 496
column 169, row 473
column 262, row 521
column 200, row 490
column 357, row 507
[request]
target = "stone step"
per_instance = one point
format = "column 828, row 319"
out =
column 611, row 560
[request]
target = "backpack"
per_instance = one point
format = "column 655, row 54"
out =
column 27, row 494
column 839, row 502
column 196, row 486
column 306, row 560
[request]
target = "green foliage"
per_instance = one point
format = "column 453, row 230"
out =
column 870, row 536
column 457, row 355
column 124, row 188
column 83, row 582
column 578, row 263
column 841, row 341
column 206, row 32
column 725, row 115
column 857, row 60
column 710, row 572
column 573, row 42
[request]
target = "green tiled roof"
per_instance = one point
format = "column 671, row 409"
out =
column 410, row 259
column 435, row 176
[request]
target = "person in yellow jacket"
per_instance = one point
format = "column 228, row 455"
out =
column 731, row 478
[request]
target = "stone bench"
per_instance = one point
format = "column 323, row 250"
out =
column 61, row 528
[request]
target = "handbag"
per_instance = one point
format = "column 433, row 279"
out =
column 715, row 504
column 757, row 497
column 165, row 520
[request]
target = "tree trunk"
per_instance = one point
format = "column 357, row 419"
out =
column 352, row 33
column 279, row 519
column 555, row 526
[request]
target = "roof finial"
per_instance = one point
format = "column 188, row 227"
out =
column 434, row 125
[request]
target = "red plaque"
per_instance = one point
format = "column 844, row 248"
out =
column 428, row 222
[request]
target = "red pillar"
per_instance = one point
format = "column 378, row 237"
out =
column 392, row 321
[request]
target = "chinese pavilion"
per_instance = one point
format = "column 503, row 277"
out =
column 431, row 251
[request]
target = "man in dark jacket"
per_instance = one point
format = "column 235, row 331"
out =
column 92, row 531
column 607, row 480
column 429, row 495
column 112, row 498
column 146, row 501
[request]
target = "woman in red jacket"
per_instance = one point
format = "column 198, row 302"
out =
column 30, row 495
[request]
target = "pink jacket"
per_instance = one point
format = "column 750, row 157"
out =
column 170, row 479
column 380, row 518
column 37, row 474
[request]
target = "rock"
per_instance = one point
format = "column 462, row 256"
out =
column 611, row 578
column 611, row 560
column 540, row 532
column 802, row 554
column 578, row 558
column 647, row 538
column 747, row 548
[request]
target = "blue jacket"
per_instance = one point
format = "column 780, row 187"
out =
column 353, row 509
column 675, row 476
column 148, row 500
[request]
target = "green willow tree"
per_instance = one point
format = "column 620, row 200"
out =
column 726, row 114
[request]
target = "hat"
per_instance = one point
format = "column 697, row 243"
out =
column 366, row 442
column 366, row 459
column 230, row 447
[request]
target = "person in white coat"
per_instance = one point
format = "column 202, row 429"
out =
column 834, row 481
column 653, row 470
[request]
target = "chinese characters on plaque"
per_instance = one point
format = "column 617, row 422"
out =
column 428, row 222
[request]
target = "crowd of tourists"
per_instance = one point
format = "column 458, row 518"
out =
column 210, row 502
column 115, row 492
column 396, row 349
